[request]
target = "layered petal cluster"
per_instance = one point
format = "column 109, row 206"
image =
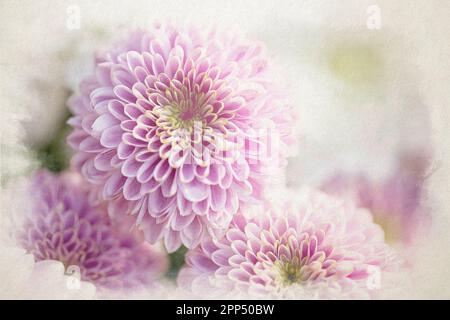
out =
column 396, row 202
column 179, row 127
column 65, row 224
column 320, row 247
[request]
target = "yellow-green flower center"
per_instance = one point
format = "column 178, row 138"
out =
column 289, row 272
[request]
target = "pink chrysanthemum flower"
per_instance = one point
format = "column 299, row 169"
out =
column 395, row 202
column 64, row 224
column 319, row 248
column 170, row 129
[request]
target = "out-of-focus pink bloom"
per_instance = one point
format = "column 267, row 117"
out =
column 396, row 202
column 64, row 224
column 320, row 247
column 179, row 127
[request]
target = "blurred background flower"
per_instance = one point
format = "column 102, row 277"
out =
column 66, row 224
column 59, row 243
column 396, row 203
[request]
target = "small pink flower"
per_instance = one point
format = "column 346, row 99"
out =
column 64, row 224
column 395, row 202
column 168, row 128
column 319, row 247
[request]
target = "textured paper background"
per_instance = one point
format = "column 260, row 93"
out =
column 34, row 33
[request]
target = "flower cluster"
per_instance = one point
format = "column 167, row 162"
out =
column 180, row 131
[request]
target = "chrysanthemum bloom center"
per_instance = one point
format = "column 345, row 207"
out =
column 297, row 259
column 184, row 115
column 296, row 264
column 180, row 113
column 289, row 272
